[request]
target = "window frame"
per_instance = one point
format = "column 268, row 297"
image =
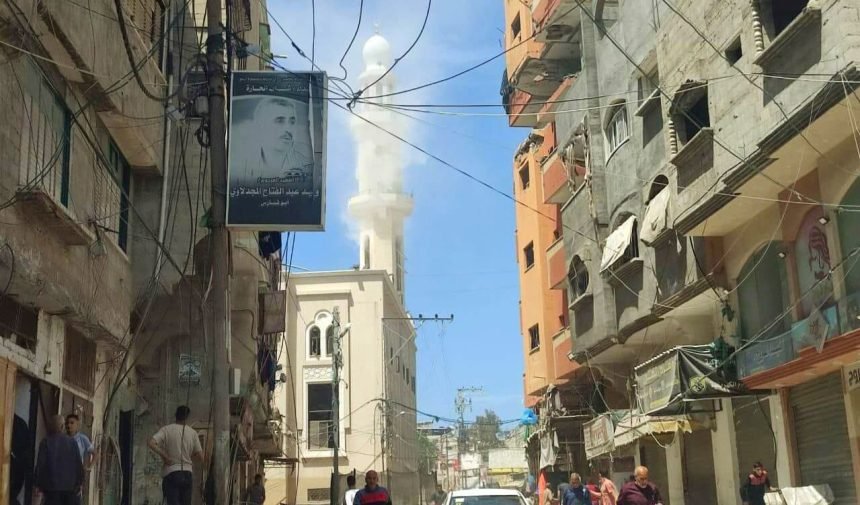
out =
column 611, row 128
column 534, row 337
column 525, row 176
column 529, row 255
column 308, row 420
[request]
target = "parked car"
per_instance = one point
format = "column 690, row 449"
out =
column 485, row 497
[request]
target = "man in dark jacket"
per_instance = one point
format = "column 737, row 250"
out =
column 576, row 493
column 59, row 469
column 757, row 484
column 372, row 493
column 640, row 491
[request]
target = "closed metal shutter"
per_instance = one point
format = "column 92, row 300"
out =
column 754, row 438
column 821, row 431
column 653, row 456
column 699, row 480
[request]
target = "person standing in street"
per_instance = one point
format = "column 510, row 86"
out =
column 349, row 496
column 576, row 494
column 546, row 497
column 257, row 491
column 85, row 447
column 756, row 485
column 641, row 491
column 59, row 469
column 176, row 444
column 436, row 499
column 607, row 492
column 372, row 493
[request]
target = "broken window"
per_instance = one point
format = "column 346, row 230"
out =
column 783, row 12
column 534, row 337
column 690, row 110
column 18, row 323
column 529, row 254
column 524, row 176
column 578, row 278
column 516, row 27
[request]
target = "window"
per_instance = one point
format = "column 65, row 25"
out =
column 734, row 52
column 783, row 12
column 79, row 360
column 659, row 184
column 320, row 420
column 516, row 27
column 763, row 293
column 524, row 176
column 398, row 262
column 690, row 110
column 616, row 128
column 578, row 278
column 18, row 323
column 366, row 253
column 116, row 196
column 147, row 18
column 44, row 144
column 529, row 255
column 314, row 343
column 646, row 85
column 534, row 337
column 329, row 340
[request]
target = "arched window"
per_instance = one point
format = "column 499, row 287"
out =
column 615, row 129
column 314, row 343
column 577, row 278
column 329, row 340
column 812, row 258
column 763, row 293
column 659, row 184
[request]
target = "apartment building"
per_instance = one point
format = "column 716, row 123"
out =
column 719, row 181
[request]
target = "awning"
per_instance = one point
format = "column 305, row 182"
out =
column 598, row 434
column 656, row 218
column 635, row 426
column 617, row 242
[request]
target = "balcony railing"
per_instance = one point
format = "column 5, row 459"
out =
column 772, row 352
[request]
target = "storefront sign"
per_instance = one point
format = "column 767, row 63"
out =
column 599, row 436
column 276, row 162
column 684, row 374
column 851, row 375
column 658, row 383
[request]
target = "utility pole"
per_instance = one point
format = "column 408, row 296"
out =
column 462, row 404
column 335, row 407
column 219, row 311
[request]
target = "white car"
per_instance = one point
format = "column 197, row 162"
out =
column 486, row 497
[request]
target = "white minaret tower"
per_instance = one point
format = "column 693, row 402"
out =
column 380, row 207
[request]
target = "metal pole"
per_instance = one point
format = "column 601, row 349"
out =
column 218, row 310
column 335, row 407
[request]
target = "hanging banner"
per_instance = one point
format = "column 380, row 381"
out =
column 276, row 156
column 599, row 436
column 682, row 374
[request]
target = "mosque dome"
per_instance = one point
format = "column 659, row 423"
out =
column 377, row 51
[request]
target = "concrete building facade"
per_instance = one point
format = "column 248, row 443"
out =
column 717, row 143
column 104, row 263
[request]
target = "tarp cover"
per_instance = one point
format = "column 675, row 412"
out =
column 682, row 374
column 807, row 495
column 656, row 218
column 617, row 242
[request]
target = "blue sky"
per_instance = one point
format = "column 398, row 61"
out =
column 460, row 239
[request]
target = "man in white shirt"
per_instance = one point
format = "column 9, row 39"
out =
column 176, row 444
column 349, row 496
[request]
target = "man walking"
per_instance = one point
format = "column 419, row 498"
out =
column 640, row 491
column 576, row 493
column 606, row 492
column 257, row 491
column 349, row 496
column 176, row 444
column 372, row 493
column 85, row 447
column 757, row 484
column 438, row 498
column 59, row 469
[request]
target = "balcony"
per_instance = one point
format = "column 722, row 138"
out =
column 557, row 262
column 557, row 20
column 765, row 363
column 559, row 178
column 562, row 347
column 521, row 107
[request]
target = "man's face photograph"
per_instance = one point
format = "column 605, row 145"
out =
column 276, row 125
